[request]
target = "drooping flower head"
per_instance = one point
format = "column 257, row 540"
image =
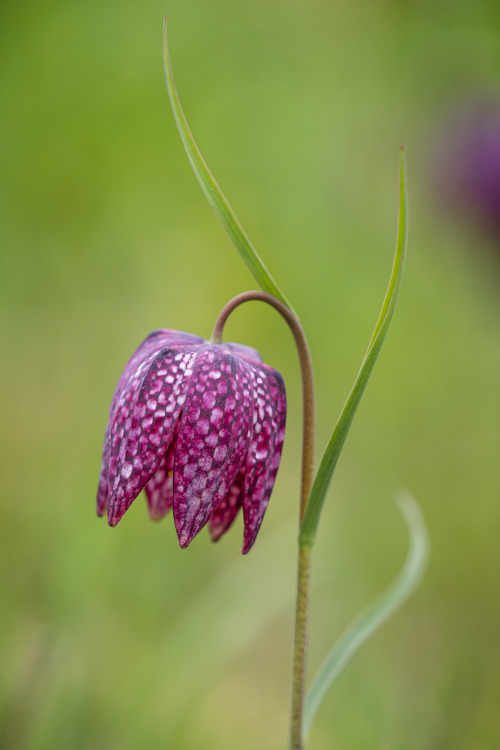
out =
column 200, row 426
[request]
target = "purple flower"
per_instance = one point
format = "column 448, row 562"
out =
column 201, row 427
column 468, row 164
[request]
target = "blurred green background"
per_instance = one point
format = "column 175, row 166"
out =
column 116, row 638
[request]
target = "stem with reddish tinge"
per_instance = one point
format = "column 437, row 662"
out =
column 304, row 563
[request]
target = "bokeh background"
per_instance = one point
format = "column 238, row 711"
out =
column 116, row 638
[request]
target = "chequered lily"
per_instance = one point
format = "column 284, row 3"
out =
column 200, row 426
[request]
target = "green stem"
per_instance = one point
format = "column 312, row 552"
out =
column 300, row 648
column 304, row 563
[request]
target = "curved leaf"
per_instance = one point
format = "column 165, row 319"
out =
column 335, row 445
column 369, row 621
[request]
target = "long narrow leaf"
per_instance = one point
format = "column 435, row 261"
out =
column 212, row 191
column 334, row 447
column 377, row 613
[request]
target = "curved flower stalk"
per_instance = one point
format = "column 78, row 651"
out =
column 200, row 426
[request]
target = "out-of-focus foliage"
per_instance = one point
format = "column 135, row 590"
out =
column 116, row 638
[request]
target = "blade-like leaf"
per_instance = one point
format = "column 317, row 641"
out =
column 334, row 447
column 212, row 191
column 368, row 622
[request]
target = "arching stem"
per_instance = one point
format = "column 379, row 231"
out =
column 304, row 562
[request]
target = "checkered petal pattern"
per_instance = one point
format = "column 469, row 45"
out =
column 200, row 427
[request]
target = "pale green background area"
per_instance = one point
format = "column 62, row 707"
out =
column 116, row 638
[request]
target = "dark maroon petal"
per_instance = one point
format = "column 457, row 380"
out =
column 144, row 422
column 264, row 452
column 160, row 488
column 160, row 491
column 151, row 345
column 213, row 438
column 102, row 490
column 224, row 515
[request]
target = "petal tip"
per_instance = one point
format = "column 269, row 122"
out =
column 113, row 518
column 184, row 539
column 215, row 534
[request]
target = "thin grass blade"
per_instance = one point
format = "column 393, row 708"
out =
column 212, row 191
column 377, row 613
column 336, row 443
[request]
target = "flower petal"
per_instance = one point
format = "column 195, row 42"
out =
column 102, row 490
column 246, row 351
column 213, row 438
column 160, row 488
column 151, row 345
column 224, row 515
column 144, row 422
column 129, row 380
column 264, row 452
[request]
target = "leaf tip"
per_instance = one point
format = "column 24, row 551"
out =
column 415, row 521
